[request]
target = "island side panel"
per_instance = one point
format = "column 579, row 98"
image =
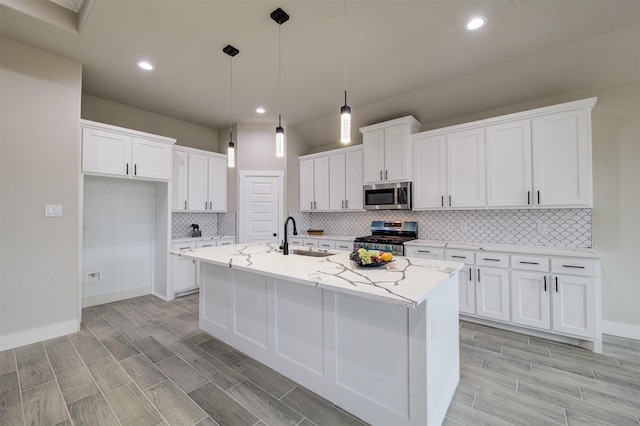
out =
column 443, row 349
column 368, row 357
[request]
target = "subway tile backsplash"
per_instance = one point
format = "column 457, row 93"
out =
column 569, row 228
column 210, row 223
column 564, row 227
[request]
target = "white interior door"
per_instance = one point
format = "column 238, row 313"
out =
column 261, row 207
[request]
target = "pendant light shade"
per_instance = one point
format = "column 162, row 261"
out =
column 231, row 149
column 231, row 152
column 279, row 139
column 345, row 110
column 345, row 121
column 280, row 17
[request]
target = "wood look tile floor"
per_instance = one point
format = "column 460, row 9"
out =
column 144, row 361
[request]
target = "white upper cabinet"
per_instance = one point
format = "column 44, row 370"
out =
column 332, row 180
column 508, row 152
column 533, row 159
column 387, row 150
column 115, row 151
column 199, row 181
column 218, row 184
column 430, row 172
column 465, row 169
column 179, row 180
column 314, row 184
column 562, row 159
column 345, row 180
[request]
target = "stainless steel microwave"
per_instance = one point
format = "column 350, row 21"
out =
column 388, row 196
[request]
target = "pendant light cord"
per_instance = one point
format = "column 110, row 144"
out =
column 345, row 51
column 279, row 77
column 231, row 100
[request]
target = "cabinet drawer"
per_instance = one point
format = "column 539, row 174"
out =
column 530, row 263
column 574, row 266
column 310, row 243
column 425, row 252
column 498, row 260
column 296, row 241
column 344, row 245
column 460, row 256
column 206, row 243
column 182, row 246
column 327, row 245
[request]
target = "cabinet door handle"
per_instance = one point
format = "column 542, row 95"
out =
column 573, row 266
column 449, row 200
column 529, row 263
column 184, row 248
column 380, row 174
column 127, row 169
column 205, row 205
column 442, row 201
column 424, row 251
column 346, row 204
column 310, row 205
column 458, row 257
column 469, row 273
column 210, row 205
column 556, row 284
column 135, row 170
column 343, row 204
column 185, row 204
column 528, row 197
column 545, row 283
column 478, row 274
column 315, row 205
column 386, row 174
column 538, row 197
column 493, row 260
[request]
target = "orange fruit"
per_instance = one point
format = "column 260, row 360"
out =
column 386, row 257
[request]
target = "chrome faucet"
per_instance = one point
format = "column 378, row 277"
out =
column 285, row 245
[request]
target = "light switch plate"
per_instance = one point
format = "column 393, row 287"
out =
column 52, row 210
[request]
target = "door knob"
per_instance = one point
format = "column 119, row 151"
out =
column 275, row 235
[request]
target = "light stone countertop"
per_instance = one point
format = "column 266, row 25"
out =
column 405, row 281
column 508, row 248
column 203, row 238
column 323, row 237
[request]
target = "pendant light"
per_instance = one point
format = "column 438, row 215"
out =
column 231, row 150
column 280, row 17
column 345, row 110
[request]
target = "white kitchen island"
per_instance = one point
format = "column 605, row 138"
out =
column 381, row 343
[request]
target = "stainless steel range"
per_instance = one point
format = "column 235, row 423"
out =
column 388, row 236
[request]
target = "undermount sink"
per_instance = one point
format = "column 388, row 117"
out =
column 311, row 253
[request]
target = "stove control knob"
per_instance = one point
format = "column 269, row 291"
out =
column 374, row 246
column 391, row 248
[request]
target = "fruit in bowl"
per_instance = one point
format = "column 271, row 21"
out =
column 371, row 257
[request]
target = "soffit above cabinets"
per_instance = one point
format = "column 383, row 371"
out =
column 72, row 5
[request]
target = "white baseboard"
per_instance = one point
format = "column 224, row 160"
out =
column 100, row 299
column 38, row 334
column 619, row 329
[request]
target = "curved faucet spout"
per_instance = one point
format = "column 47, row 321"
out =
column 285, row 245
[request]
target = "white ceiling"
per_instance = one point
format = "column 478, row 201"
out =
column 402, row 56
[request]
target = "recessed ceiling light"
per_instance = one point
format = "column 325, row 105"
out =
column 476, row 23
column 145, row 65
column 260, row 110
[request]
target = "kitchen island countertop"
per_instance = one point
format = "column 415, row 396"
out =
column 404, row 281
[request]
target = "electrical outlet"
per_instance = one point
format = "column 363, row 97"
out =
column 542, row 228
column 93, row 277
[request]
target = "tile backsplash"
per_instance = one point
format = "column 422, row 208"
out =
column 210, row 223
column 564, row 227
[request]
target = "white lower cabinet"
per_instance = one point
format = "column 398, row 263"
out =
column 552, row 294
column 492, row 293
column 184, row 269
column 530, row 299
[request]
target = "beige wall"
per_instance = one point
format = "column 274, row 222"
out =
column 40, row 164
column 186, row 134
